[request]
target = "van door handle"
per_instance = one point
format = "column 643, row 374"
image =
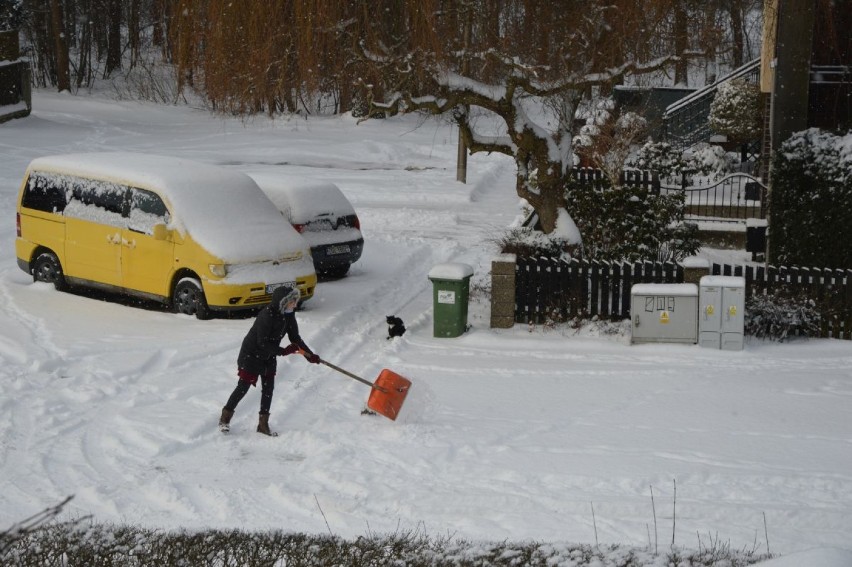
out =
column 114, row 238
column 129, row 243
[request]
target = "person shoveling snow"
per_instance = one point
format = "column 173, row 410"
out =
column 257, row 358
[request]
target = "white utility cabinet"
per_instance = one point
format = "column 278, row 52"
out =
column 721, row 319
column 664, row 313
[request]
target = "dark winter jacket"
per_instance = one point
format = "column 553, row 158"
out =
column 263, row 341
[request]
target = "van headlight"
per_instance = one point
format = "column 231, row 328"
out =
column 219, row 270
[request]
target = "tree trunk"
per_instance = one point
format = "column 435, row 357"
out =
column 461, row 154
column 681, row 39
column 113, row 59
column 84, row 46
column 63, row 75
column 157, row 13
column 134, row 32
column 735, row 11
column 544, row 190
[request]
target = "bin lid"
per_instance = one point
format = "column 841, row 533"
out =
column 451, row 271
column 685, row 289
column 723, row 281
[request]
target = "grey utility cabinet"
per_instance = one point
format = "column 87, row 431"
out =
column 721, row 319
column 664, row 313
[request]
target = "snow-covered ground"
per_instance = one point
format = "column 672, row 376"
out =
column 545, row 434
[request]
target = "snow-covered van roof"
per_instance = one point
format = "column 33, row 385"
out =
column 303, row 199
column 223, row 210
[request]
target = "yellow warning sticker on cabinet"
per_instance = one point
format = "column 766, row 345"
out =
column 664, row 317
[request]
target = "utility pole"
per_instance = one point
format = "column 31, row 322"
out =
column 792, row 69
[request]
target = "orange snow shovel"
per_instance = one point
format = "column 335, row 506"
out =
column 389, row 390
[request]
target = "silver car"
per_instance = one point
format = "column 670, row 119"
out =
column 323, row 215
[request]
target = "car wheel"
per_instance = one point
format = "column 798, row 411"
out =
column 47, row 268
column 188, row 298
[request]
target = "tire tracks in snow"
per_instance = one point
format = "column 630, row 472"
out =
column 29, row 361
column 355, row 329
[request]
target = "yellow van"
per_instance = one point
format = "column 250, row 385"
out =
column 198, row 237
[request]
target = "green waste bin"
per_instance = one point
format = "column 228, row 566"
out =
column 451, row 288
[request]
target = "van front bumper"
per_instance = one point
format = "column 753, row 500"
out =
column 227, row 297
column 24, row 265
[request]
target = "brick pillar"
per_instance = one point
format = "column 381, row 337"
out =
column 503, row 292
column 694, row 269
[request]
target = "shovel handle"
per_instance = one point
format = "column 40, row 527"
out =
column 347, row 373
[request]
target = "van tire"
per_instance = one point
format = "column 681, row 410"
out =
column 46, row 268
column 188, row 298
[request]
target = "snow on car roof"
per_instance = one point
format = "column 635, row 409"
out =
column 304, row 199
column 223, row 210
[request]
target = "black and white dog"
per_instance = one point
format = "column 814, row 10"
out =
column 395, row 326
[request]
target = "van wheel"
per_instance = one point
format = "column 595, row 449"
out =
column 188, row 298
column 47, row 268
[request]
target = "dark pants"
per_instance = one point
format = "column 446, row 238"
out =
column 267, row 386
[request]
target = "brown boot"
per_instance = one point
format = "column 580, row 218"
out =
column 225, row 420
column 263, row 425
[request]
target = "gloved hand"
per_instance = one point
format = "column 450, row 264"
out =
column 289, row 349
column 313, row 358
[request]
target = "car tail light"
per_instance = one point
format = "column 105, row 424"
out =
column 357, row 223
column 18, row 223
column 300, row 228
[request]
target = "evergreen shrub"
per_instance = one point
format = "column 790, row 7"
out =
column 736, row 111
column 631, row 224
column 810, row 204
column 781, row 314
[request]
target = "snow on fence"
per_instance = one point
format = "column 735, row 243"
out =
column 549, row 290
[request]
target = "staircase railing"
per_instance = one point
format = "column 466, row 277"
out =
column 686, row 121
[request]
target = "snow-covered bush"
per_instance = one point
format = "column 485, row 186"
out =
column 780, row 314
column 811, row 201
column 527, row 242
column 631, row 224
column 662, row 158
column 708, row 159
column 617, row 224
column 105, row 545
column 736, row 112
column 673, row 164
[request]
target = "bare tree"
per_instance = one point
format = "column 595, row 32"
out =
column 530, row 73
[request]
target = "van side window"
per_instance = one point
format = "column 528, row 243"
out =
column 42, row 194
column 98, row 201
column 146, row 210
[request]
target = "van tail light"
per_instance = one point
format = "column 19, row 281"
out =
column 357, row 223
column 300, row 228
column 18, row 223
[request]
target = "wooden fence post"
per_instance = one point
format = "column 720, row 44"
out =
column 503, row 291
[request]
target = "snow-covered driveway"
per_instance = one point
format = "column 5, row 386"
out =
column 505, row 435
